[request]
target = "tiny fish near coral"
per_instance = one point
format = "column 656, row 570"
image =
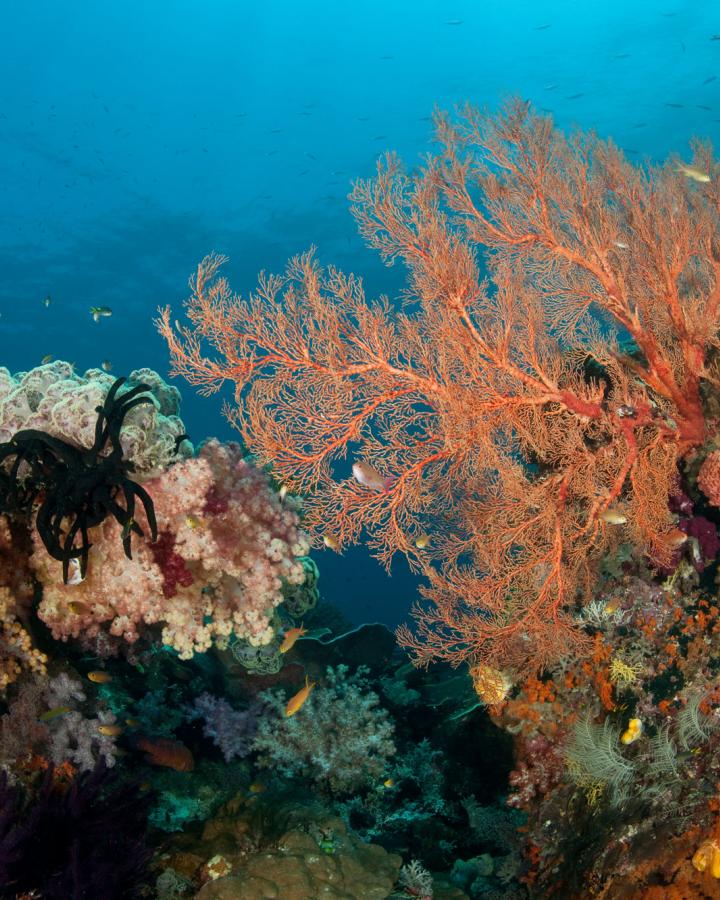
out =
column 297, row 701
column 368, row 476
column 291, row 635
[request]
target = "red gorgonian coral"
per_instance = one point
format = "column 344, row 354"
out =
column 525, row 436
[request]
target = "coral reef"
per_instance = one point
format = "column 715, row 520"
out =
column 232, row 730
column 87, row 839
column 353, row 871
column 556, row 482
column 76, row 489
column 47, row 720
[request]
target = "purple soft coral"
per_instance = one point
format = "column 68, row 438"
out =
column 232, row 730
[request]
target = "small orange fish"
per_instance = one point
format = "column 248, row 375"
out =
column 99, row 676
column 78, row 608
column 168, row 753
column 367, row 475
column 676, row 538
column 289, row 638
column 613, row 517
column 331, row 542
column 422, row 542
column 296, row 702
column 110, row 730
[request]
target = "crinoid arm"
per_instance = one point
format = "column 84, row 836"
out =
column 112, row 414
column 79, row 487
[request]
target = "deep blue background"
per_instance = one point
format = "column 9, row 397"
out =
column 135, row 137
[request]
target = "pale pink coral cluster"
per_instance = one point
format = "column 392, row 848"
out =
column 225, row 546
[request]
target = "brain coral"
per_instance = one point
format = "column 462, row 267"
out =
column 55, row 399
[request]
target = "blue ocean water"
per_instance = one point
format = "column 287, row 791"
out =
column 136, row 137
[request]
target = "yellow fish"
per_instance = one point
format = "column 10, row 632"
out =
column 78, row 608
column 110, row 730
column 54, row 712
column 297, row 701
column 46, row 359
column 290, row 637
column 388, row 783
column 99, row 676
column 132, row 723
column 194, row 522
column 422, row 542
column 694, row 173
column 331, row 542
column 106, row 365
column 257, row 787
column 613, row 517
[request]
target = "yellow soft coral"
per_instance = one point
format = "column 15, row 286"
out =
column 16, row 649
column 623, row 673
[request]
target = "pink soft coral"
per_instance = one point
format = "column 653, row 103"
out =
column 226, row 544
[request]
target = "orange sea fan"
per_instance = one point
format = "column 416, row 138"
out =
column 521, row 434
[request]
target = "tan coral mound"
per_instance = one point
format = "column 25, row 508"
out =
column 297, row 869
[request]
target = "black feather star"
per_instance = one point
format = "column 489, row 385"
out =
column 77, row 489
